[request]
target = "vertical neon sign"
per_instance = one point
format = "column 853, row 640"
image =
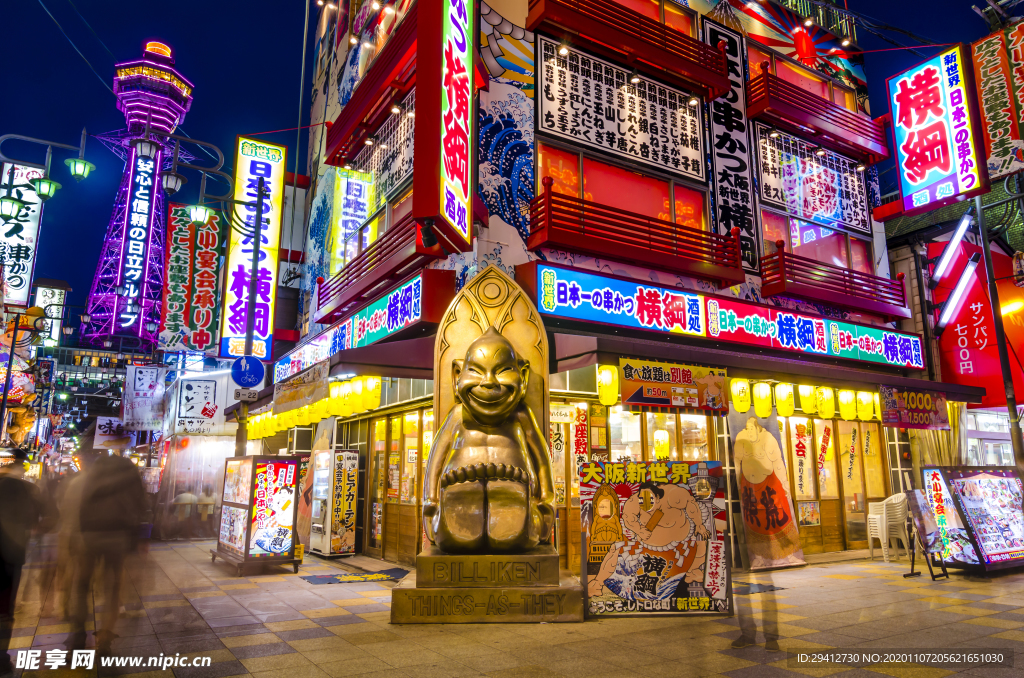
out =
column 138, row 221
column 457, row 115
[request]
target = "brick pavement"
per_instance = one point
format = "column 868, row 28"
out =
column 276, row 625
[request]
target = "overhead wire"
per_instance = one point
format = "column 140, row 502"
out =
column 95, row 35
column 64, row 33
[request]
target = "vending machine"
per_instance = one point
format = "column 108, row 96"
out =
column 335, row 475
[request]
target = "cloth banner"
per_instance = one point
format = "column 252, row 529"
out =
column 303, row 389
column 142, row 406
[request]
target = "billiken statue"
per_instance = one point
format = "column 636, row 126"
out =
column 487, row 484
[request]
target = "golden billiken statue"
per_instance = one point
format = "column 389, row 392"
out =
column 487, row 485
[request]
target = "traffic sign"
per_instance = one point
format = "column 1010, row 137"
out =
column 248, row 395
column 247, row 372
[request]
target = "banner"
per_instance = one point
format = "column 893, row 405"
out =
column 562, row 413
column 654, row 538
column 273, row 508
column 142, row 405
column 768, row 519
column 19, row 237
column 913, row 409
column 343, row 520
column 190, row 314
column 999, row 79
column 112, row 435
column 304, row 389
column 645, row 382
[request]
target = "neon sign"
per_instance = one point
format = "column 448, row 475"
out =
column 457, row 37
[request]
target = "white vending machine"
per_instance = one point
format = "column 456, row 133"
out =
column 335, row 487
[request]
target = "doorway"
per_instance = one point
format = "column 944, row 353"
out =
column 376, row 490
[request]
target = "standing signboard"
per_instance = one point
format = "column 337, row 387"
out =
column 190, row 314
column 54, row 298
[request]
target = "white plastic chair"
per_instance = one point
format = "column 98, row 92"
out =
column 887, row 520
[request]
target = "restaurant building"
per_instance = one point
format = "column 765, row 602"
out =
column 685, row 194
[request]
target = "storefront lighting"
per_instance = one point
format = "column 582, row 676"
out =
column 389, row 10
column 808, row 22
column 302, row 416
column 357, row 395
column 374, row 5
column 396, row 109
column 819, row 151
column 563, row 49
column 847, row 405
column 368, row 141
column 634, row 77
column 1011, row 307
column 865, row 405
column 367, row 45
column 353, row 40
column 608, row 385
column 411, row 114
column 345, row 390
column 826, row 402
column 774, row 134
column 44, row 187
column 878, row 407
column 763, row 399
column 951, row 249
column 785, row 401
column 956, row 297
column 320, row 3
column 740, row 391
column 661, row 449
column 845, row 42
column 371, row 392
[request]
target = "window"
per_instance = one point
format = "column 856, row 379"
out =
column 678, row 18
column 756, row 57
column 799, row 76
column 648, row 8
column 630, row 191
column 845, row 97
column 368, row 234
column 802, row 78
column 562, row 166
column 860, row 256
column 410, row 456
column 816, row 242
column 689, row 207
column 624, row 431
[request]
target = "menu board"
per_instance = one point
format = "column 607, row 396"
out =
column 237, row 475
column 990, row 500
column 957, row 548
column 273, row 507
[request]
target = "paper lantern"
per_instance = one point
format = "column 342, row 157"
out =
column 785, row 402
column 847, row 405
column 826, row 402
column 252, row 427
column 865, row 405
column 661, row 452
column 357, row 395
column 763, row 399
column 808, row 399
column 334, row 400
column 878, row 408
column 302, row 416
column 740, row 391
column 608, row 385
column 345, row 389
column 371, row 392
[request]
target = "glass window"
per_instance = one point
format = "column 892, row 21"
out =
column 410, row 456
column 974, row 452
column 678, row 18
column 860, row 256
column 776, row 227
column 998, row 454
column 689, row 207
column 992, row 422
column 824, row 449
column 844, row 97
column 563, row 168
column 693, row 437
column 874, row 469
column 630, row 191
column 401, row 208
column 624, row 430
column 756, row 57
column 818, row 243
column 378, row 484
column 395, row 460
column 802, row 78
column 583, row 379
column 648, row 8
column 850, row 448
column 801, row 458
column 559, row 381
column 369, row 233
column 661, row 437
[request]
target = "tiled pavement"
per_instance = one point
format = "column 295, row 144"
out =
column 277, row 625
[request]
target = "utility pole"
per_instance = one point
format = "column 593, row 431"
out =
column 242, row 436
column 1004, row 358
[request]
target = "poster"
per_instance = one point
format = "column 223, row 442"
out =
column 924, row 522
column 913, row 409
column 54, row 298
column 19, row 238
column 273, row 507
column 956, row 542
column 237, row 476
column 592, row 102
column 990, row 501
column 232, row 529
column 654, row 538
column 142, row 407
column 394, row 472
column 112, row 435
column 304, row 511
column 562, row 413
column 734, row 201
column 190, row 313
column 803, row 456
column 810, row 513
column 304, row 389
column 645, row 382
column 765, row 503
column 343, row 520
column 999, row 79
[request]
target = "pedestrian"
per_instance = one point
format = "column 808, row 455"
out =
column 20, row 512
column 69, row 539
column 205, row 507
column 113, row 500
column 184, row 509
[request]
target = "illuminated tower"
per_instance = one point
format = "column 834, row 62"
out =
column 124, row 300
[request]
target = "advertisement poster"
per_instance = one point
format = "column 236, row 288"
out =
column 646, row 382
column 304, row 389
column 237, row 476
column 190, row 314
column 232, row 529
column 654, row 538
column 199, row 406
column 394, row 471
column 765, row 503
column 273, row 507
column 956, row 542
column 810, row 513
column 304, row 511
column 913, row 409
column 803, row 457
column 924, row 522
column 998, row 76
column 990, row 499
column 343, row 520
column 142, row 408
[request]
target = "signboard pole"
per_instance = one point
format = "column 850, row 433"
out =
column 1004, row 358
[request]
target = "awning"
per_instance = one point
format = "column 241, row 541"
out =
column 573, row 351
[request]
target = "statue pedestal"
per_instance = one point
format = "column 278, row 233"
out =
column 454, row 589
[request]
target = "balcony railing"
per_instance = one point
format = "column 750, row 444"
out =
column 789, row 107
column 565, row 222
column 616, row 31
column 790, row 275
column 390, row 259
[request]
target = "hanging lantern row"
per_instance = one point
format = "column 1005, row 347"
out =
column 347, row 398
column 819, row 401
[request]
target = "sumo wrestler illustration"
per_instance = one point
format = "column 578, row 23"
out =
column 487, row 486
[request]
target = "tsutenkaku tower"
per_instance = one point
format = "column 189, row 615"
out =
column 126, row 291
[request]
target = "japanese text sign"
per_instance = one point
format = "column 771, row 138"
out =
column 913, row 409
column 142, row 406
column 253, row 160
column 956, row 542
column 999, row 76
column 53, row 297
column 343, row 519
column 825, row 189
column 936, row 133
column 353, row 198
column 273, row 507
column 594, row 103
column 140, row 208
column 577, row 295
column 990, row 501
column 19, row 237
column 458, row 38
column 191, row 304
column 199, row 406
column 667, row 385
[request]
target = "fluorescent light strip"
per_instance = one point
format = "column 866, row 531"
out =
column 951, row 249
column 952, row 304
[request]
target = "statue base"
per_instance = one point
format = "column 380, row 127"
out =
column 492, row 588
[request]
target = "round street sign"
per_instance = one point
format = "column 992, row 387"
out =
column 247, row 372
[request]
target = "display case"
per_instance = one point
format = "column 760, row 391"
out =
column 333, row 528
column 257, row 524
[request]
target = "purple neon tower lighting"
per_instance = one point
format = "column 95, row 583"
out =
column 149, row 92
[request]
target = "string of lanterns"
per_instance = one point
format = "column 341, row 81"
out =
column 817, row 400
column 346, row 398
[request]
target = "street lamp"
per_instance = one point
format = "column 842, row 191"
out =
column 144, row 147
column 68, row 331
column 199, row 214
column 172, row 182
column 80, row 168
column 152, row 326
column 10, row 207
column 86, row 318
column 45, row 188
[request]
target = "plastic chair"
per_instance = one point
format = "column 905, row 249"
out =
column 887, row 520
column 877, row 529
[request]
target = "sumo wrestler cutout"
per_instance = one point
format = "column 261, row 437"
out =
column 487, row 487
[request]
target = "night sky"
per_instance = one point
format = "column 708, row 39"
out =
column 243, row 59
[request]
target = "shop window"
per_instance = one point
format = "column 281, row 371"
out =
column 693, row 437
column 818, row 243
column 625, row 190
column 624, row 431
column 662, row 442
column 874, row 469
column 377, row 489
column 562, row 166
column 824, row 448
column 395, row 460
column 410, row 456
column 776, row 227
column 689, row 207
column 559, row 381
column 401, row 208
column 428, row 433
column 802, row 78
column 842, row 96
column 679, row 18
column 755, row 57
column 648, row 8
column 860, row 256
column 850, row 452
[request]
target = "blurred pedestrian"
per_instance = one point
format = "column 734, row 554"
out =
column 20, row 511
column 185, row 509
column 69, row 539
column 205, row 507
column 113, row 500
